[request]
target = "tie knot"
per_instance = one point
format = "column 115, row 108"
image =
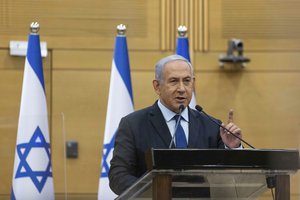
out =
column 176, row 117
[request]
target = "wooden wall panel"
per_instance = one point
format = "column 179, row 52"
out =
column 260, row 61
column 102, row 60
column 266, row 107
column 181, row 12
column 145, row 61
column 167, row 25
column 10, row 89
column 144, row 94
column 77, row 25
column 82, row 59
column 278, row 20
column 81, row 96
column 268, row 25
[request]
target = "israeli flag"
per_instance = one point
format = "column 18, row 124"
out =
column 182, row 49
column 120, row 103
column 32, row 175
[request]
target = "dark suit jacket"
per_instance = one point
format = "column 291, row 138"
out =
column 145, row 129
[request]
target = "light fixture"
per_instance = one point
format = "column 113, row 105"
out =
column 234, row 54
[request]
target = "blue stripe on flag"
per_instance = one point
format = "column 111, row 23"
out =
column 34, row 56
column 182, row 47
column 122, row 62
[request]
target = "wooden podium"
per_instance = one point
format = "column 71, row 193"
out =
column 215, row 174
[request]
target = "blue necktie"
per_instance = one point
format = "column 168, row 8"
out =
column 180, row 135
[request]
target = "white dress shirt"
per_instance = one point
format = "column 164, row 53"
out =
column 168, row 115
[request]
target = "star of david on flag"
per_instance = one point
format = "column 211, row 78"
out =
column 32, row 175
column 107, row 155
column 37, row 142
column 120, row 103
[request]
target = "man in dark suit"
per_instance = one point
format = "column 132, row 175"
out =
column 154, row 126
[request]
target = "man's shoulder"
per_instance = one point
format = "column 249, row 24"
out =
column 142, row 112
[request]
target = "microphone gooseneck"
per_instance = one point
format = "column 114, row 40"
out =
column 200, row 109
column 181, row 108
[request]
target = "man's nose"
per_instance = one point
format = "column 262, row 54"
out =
column 180, row 86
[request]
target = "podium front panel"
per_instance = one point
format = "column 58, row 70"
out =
column 205, row 184
column 212, row 173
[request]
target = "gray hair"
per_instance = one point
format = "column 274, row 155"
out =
column 162, row 62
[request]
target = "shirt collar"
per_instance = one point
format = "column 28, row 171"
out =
column 168, row 114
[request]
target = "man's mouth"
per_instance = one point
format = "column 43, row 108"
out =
column 180, row 99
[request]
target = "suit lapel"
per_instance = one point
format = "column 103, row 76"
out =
column 159, row 124
column 193, row 130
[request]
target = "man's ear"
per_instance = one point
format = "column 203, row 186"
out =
column 156, row 84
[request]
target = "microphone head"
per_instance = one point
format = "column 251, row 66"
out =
column 181, row 108
column 199, row 108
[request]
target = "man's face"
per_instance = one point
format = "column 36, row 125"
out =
column 176, row 86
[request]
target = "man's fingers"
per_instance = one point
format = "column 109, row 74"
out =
column 230, row 116
column 222, row 130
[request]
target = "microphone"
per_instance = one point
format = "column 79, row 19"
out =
column 200, row 109
column 181, row 108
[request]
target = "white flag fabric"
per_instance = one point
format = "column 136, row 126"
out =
column 182, row 49
column 32, row 175
column 120, row 103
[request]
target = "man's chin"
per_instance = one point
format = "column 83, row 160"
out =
column 181, row 103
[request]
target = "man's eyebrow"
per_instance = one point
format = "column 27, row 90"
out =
column 173, row 77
